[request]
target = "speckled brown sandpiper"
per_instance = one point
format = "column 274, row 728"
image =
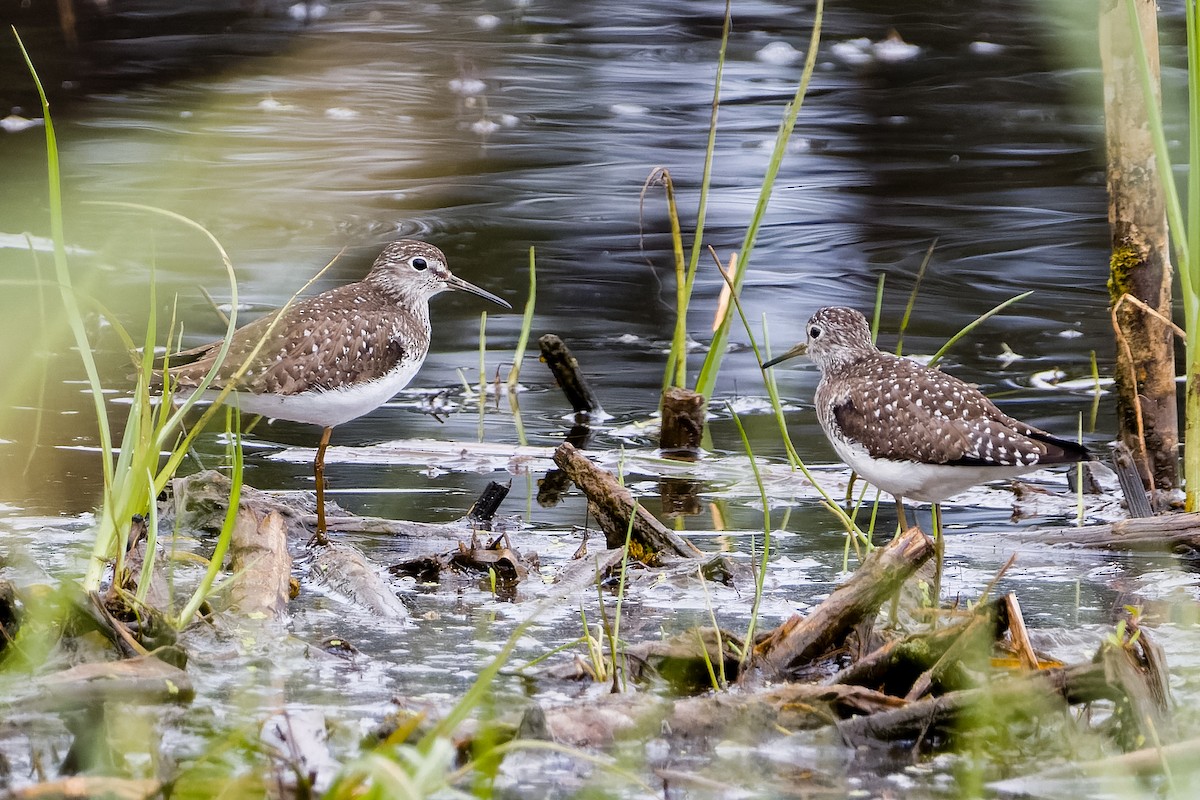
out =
column 338, row 355
column 914, row 431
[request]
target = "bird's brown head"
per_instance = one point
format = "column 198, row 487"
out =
column 836, row 335
column 411, row 270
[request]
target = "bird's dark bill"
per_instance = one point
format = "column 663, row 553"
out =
column 454, row 282
column 798, row 350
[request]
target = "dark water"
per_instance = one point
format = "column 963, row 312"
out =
column 361, row 127
column 351, row 135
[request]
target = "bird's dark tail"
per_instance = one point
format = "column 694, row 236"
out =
column 1060, row 451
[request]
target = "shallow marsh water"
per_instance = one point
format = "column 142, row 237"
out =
column 488, row 127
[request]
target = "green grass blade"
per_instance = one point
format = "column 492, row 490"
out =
column 218, row 557
column 912, row 296
column 761, row 575
column 62, row 271
column 707, row 381
column 514, row 374
column 972, row 325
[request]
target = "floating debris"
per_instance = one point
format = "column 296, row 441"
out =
column 781, row 54
column 861, row 51
column 986, row 48
column 269, row 103
column 15, row 123
column 1007, row 356
column 467, row 87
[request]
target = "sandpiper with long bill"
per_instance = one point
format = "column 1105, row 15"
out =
column 914, row 431
column 331, row 358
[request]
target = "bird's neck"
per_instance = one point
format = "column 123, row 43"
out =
column 409, row 299
column 844, row 359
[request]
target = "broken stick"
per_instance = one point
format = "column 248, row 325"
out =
column 799, row 640
column 566, row 371
column 611, row 504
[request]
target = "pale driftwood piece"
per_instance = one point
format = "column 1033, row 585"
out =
column 1017, row 632
column 611, row 505
column 397, row 527
column 89, row 786
column 683, row 418
column 793, row 706
column 1032, row 693
column 200, row 500
column 142, row 681
column 1182, row 758
column 1168, row 533
column 570, row 379
column 587, row 569
column 347, row 573
column 799, row 640
column 262, row 568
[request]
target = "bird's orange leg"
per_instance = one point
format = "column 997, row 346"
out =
column 900, row 514
column 319, row 473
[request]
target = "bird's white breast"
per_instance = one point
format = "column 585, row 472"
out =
column 930, row 483
column 332, row 407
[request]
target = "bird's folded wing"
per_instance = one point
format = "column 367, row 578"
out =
column 303, row 353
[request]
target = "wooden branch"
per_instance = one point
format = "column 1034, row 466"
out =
column 611, row 504
column 488, row 502
column 1030, row 694
column 976, row 639
column 570, row 379
column 802, row 639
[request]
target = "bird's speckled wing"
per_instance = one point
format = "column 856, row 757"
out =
column 312, row 349
column 898, row 409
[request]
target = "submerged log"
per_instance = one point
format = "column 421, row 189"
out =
column 260, row 563
column 200, row 501
column 346, row 572
column 684, row 660
column 611, row 504
column 1027, row 695
column 800, row 640
column 142, row 681
column 1169, row 533
column 570, row 379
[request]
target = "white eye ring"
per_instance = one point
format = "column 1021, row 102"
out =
column 814, row 332
column 418, row 262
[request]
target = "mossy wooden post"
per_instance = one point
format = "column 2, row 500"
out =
column 1140, row 264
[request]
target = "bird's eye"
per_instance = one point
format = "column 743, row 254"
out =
column 814, row 332
column 418, row 263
